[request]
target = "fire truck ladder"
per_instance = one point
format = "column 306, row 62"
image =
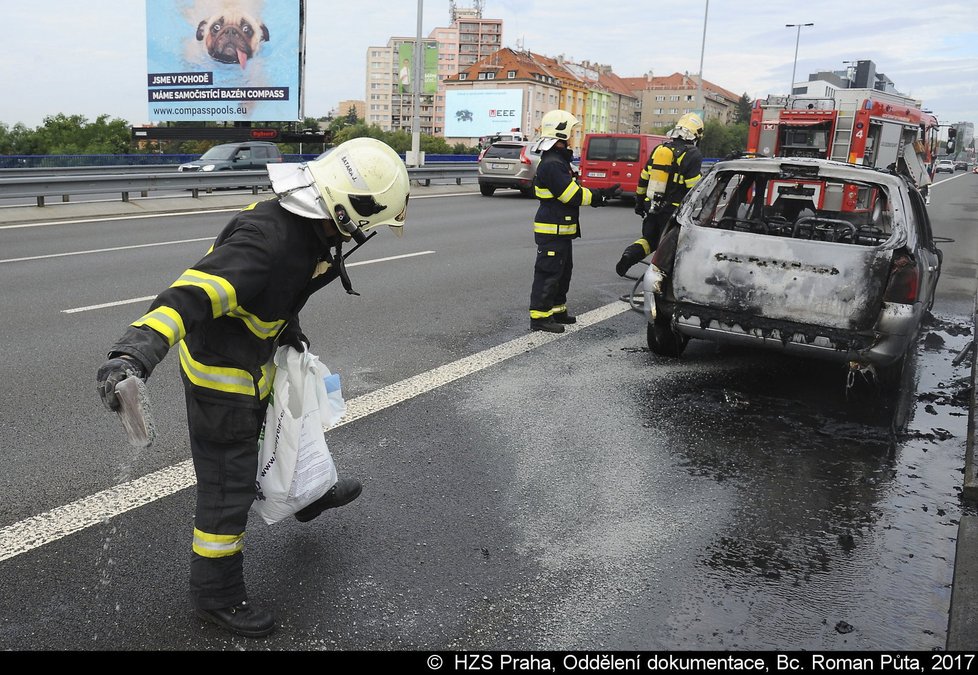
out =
column 843, row 131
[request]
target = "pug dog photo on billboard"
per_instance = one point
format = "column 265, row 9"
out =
column 226, row 32
column 242, row 53
column 233, row 34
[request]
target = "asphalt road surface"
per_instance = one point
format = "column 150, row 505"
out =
column 522, row 491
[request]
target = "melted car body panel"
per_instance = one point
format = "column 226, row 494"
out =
column 823, row 283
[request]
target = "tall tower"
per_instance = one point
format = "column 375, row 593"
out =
column 467, row 40
column 455, row 12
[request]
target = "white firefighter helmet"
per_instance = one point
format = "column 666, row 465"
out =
column 688, row 127
column 556, row 125
column 359, row 185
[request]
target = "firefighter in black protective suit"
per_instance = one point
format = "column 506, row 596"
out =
column 672, row 170
column 557, row 221
column 226, row 315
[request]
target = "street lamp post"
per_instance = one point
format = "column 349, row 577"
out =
column 851, row 67
column 700, row 103
column 416, row 93
column 799, row 26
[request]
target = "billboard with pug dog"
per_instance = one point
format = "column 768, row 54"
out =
column 224, row 60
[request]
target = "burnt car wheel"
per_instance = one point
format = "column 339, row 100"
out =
column 486, row 190
column 663, row 340
column 889, row 378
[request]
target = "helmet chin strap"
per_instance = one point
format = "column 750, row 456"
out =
column 336, row 258
column 341, row 258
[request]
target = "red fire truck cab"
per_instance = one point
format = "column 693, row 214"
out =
column 856, row 126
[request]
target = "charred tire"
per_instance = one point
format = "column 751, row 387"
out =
column 486, row 190
column 663, row 340
column 889, row 378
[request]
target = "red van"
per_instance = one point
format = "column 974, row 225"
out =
column 607, row 159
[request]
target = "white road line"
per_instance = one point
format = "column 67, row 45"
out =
column 60, row 522
column 106, row 250
column 166, row 214
column 150, row 297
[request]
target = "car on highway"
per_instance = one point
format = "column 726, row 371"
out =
column 943, row 166
column 961, row 165
column 507, row 165
column 245, row 156
column 805, row 256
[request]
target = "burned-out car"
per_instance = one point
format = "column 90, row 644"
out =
column 809, row 256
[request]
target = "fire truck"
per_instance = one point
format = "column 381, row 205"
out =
column 857, row 126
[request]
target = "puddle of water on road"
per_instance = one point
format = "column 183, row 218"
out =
column 843, row 537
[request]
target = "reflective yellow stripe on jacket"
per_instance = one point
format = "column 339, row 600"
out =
column 166, row 321
column 223, row 378
column 569, row 227
column 555, row 228
column 222, row 295
column 263, row 329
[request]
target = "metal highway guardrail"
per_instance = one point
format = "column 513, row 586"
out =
column 64, row 186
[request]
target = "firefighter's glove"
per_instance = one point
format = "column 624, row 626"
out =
column 642, row 206
column 293, row 336
column 111, row 373
column 601, row 196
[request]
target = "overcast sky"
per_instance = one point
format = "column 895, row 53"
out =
column 63, row 56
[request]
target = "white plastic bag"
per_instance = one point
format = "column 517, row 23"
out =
column 295, row 467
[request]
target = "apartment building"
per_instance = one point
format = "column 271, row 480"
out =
column 390, row 106
column 470, row 56
column 590, row 92
column 665, row 99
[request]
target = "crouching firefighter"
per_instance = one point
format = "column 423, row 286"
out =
column 672, row 170
column 226, row 315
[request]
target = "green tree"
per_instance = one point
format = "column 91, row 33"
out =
column 744, row 106
column 18, row 140
column 719, row 140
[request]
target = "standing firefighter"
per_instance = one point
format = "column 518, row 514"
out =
column 672, row 170
column 556, row 224
column 226, row 315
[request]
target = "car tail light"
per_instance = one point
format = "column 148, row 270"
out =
column 523, row 158
column 904, row 283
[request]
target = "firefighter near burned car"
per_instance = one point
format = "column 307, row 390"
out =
column 226, row 315
column 672, row 170
column 557, row 221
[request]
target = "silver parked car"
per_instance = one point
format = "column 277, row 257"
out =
column 807, row 256
column 508, row 164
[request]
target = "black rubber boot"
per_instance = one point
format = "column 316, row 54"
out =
column 547, row 324
column 631, row 255
column 243, row 619
column 343, row 492
column 564, row 318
